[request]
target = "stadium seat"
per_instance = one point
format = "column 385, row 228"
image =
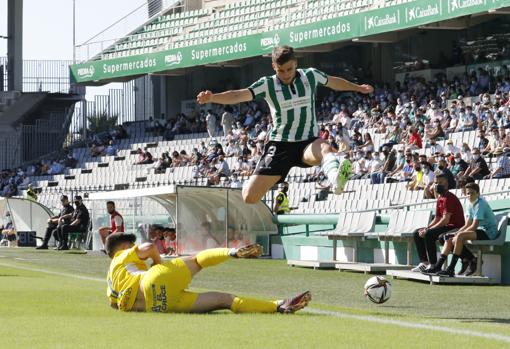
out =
column 351, row 226
column 488, row 245
column 401, row 227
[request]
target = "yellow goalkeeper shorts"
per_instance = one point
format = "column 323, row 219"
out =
column 164, row 287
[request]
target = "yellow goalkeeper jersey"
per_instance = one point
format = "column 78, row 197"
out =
column 126, row 270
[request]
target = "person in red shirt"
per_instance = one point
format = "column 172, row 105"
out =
column 414, row 139
column 116, row 222
column 449, row 216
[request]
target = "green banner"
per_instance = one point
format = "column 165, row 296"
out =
column 332, row 30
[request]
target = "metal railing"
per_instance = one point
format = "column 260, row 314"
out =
column 129, row 23
column 40, row 75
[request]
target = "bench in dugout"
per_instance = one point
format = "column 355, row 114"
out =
column 81, row 240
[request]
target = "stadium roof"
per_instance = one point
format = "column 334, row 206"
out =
column 358, row 24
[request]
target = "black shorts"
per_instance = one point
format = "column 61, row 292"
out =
column 280, row 157
column 481, row 235
column 11, row 237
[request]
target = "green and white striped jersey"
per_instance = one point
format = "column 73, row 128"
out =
column 292, row 106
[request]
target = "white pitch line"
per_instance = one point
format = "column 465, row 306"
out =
column 378, row 320
column 385, row 321
column 81, row 277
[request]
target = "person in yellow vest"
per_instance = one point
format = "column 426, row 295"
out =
column 31, row 195
column 281, row 204
column 163, row 287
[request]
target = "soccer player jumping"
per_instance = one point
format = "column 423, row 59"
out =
column 163, row 287
column 293, row 140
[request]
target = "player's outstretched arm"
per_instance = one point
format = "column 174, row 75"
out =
column 149, row 250
column 228, row 97
column 339, row 84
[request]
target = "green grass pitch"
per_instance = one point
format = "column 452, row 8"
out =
column 58, row 300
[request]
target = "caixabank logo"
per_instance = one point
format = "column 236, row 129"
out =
column 381, row 21
column 270, row 42
column 457, row 5
column 86, row 72
column 173, row 59
column 415, row 13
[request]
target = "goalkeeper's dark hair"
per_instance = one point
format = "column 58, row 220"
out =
column 115, row 240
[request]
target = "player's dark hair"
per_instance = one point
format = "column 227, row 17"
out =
column 115, row 240
column 110, row 203
column 283, row 54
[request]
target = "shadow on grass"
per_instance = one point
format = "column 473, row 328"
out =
column 482, row 320
column 8, row 275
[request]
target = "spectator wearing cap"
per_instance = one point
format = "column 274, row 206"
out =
column 79, row 223
column 55, row 222
column 502, row 167
column 478, row 168
column 450, row 149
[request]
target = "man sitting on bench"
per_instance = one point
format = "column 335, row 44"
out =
column 79, row 223
column 449, row 216
column 480, row 225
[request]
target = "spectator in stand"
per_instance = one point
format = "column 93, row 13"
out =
column 459, row 167
column 483, row 142
column 478, row 168
column 436, row 132
column 442, row 169
column 235, row 182
column 96, row 149
column 223, row 168
column 111, row 149
column 359, row 165
column 368, row 144
column 55, row 222
column 428, row 180
column 466, row 153
column 450, row 149
column 323, row 132
column 144, row 157
column 414, row 141
column 227, row 120
column 449, row 216
column 387, row 168
column 210, row 119
column 435, row 148
column 399, row 165
column 502, row 166
column 416, row 182
column 374, row 166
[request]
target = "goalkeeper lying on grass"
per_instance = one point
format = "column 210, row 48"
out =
column 162, row 287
